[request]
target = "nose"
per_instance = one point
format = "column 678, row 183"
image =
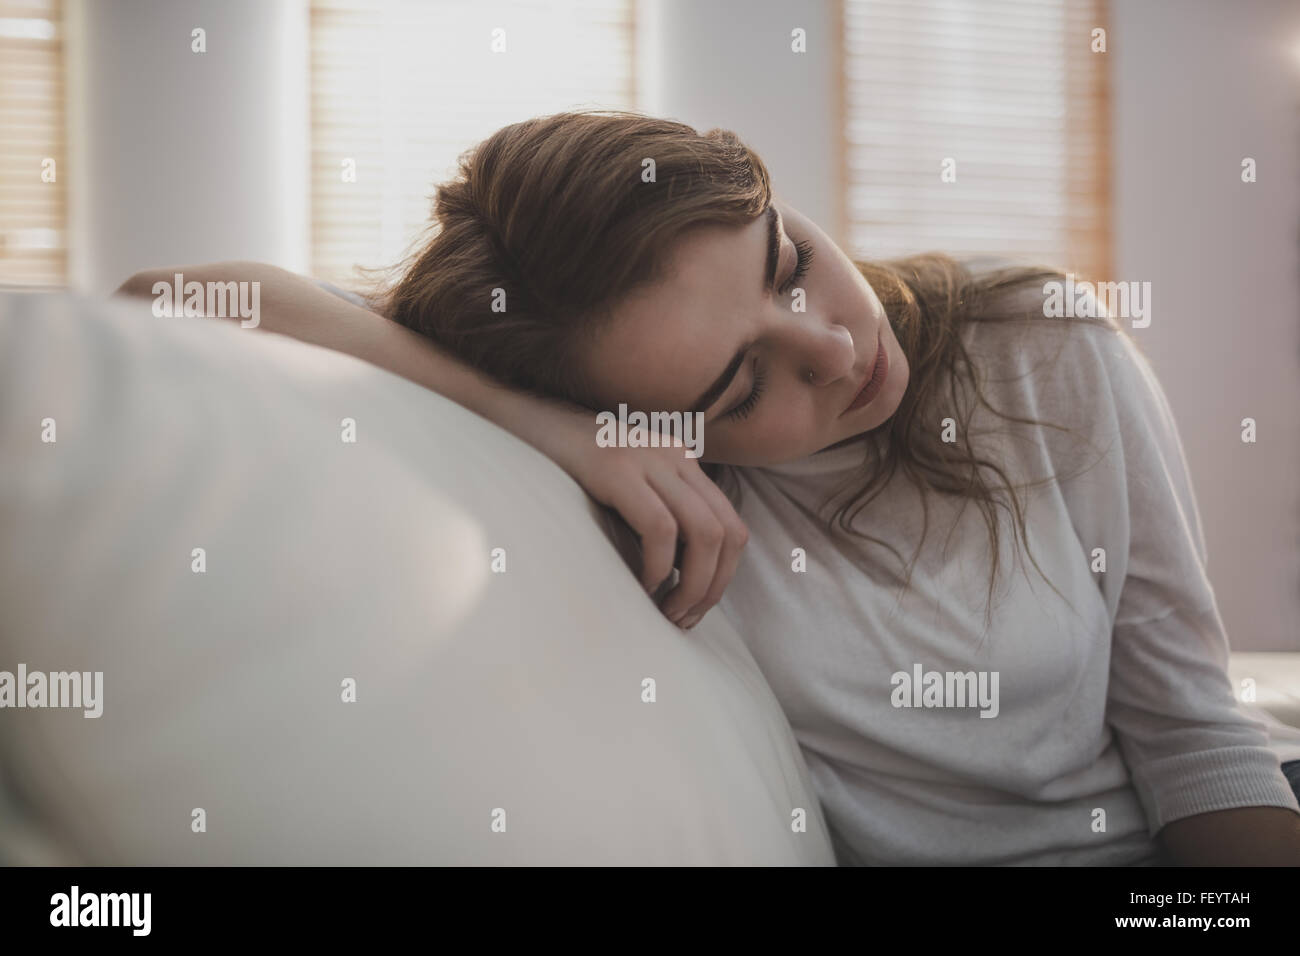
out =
column 824, row 349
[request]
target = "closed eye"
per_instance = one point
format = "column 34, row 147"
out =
column 805, row 250
column 743, row 410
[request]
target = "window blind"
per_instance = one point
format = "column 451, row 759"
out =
column 401, row 88
column 32, row 210
column 1013, row 93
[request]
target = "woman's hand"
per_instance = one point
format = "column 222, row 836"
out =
column 664, row 496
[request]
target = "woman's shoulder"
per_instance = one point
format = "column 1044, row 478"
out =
column 1020, row 318
column 1076, row 366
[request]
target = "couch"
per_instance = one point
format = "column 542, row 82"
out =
column 341, row 620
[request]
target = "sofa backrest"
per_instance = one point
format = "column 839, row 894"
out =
column 204, row 531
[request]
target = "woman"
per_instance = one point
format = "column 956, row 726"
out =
column 955, row 702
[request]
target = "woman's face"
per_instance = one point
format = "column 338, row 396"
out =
column 720, row 334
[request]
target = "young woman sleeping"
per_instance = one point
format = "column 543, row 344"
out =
column 945, row 495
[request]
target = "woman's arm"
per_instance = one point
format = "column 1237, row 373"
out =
column 659, row 492
column 297, row 307
column 1204, row 771
column 1242, row 836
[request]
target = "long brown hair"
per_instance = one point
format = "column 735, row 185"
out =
column 565, row 215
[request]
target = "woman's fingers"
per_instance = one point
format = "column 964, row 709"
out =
column 682, row 519
column 644, row 509
column 735, row 537
column 704, row 536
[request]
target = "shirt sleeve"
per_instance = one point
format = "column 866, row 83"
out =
column 1189, row 748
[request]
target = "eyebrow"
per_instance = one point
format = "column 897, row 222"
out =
column 723, row 381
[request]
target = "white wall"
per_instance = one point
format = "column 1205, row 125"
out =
column 177, row 157
column 728, row 63
column 1198, row 85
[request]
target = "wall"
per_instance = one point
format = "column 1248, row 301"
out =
column 1199, row 85
column 178, row 157
column 728, row 63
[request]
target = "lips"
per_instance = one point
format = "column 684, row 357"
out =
column 879, row 373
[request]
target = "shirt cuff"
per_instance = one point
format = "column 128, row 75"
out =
column 1184, row 785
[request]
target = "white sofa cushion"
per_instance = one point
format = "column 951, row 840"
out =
column 325, row 561
column 1268, row 685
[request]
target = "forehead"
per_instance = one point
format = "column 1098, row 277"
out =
column 668, row 341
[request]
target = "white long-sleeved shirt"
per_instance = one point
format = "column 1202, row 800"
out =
column 1108, row 722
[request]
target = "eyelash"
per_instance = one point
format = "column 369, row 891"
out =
column 805, row 251
column 741, row 411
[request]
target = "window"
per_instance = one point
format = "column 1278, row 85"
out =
column 1009, row 90
column 399, row 89
column 32, row 196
